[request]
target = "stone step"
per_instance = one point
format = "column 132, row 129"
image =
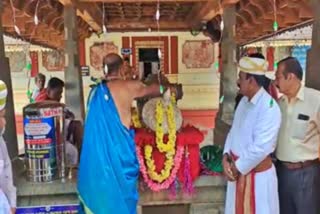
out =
column 208, row 198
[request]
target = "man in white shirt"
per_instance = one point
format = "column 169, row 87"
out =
column 298, row 165
column 252, row 186
column 7, row 189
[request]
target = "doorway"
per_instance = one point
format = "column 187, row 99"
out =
column 149, row 62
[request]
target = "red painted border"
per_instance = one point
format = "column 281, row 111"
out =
column 174, row 54
column 34, row 63
column 125, row 42
column 152, row 38
column 82, row 52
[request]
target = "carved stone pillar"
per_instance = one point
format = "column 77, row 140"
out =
column 228, row 77
column 5, row 75
column 73, row 78
column 313, row 62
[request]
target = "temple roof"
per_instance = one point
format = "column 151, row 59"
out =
column 255, row 18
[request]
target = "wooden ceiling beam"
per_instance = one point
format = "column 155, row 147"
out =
column 225, row 3
column 125, row 26
column 87, row 12
column 204, row 12
column 143, row 1
column 91, row 15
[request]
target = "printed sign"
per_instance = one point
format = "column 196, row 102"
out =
column 58, row 209
column 85, row 71
column 39, row 138
column 126, row 51
column 51, row 112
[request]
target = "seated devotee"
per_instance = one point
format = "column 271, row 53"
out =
column 7, row 189
column 73, row 128
column 108, row 160
column 267, row 83
column 40, row 81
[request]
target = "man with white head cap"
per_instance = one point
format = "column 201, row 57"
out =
column 7, row 189
column 252, row 186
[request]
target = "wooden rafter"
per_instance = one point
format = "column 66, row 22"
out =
column 254, row 17
column 143, row 1
column 204, row 12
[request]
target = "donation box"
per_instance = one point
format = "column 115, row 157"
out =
column 44, row 141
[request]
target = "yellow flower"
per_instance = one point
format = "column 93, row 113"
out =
column 168, row 148
column 135, row 119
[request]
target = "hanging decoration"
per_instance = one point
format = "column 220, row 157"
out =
column 157, row 16
column 16, row 28
column 275, row 22
column 36, row 20
column 275, row 28
column 221, row 99
column 104, row 28
column 28, row 66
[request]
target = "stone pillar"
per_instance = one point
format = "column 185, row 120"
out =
column 228, row 77
column 313, row 62
column 72, row 73
column 5, row 75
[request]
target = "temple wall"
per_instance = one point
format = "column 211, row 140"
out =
column 201, row 85
column 189, row 60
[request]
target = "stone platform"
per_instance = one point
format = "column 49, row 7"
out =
column 208, row 198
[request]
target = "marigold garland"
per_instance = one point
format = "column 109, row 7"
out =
column 170, row 145
column 156, row 186
column 135, row 119
column 162, row 180
column 168, row 148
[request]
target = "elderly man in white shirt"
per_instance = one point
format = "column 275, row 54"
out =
column 7, row 189
column 298, row 163
column 252, row 186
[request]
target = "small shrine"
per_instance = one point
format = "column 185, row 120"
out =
column 189, row 46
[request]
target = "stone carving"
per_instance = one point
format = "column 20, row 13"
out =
column 17, row 61
column 98, row 50
column 198, row 54
column 53, row 60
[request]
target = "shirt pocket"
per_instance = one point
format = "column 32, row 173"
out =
column 300, row 128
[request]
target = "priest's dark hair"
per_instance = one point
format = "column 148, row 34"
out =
column 54, row 83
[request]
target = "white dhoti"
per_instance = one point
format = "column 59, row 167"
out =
column 266, row 199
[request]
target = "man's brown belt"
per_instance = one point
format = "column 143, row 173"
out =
column 299, row 165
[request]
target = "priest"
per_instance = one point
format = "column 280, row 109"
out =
column 252, row 180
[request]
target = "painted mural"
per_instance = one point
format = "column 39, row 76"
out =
column 198, row 53
column 53, row 60
column 98, row 50
column 17, row 61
